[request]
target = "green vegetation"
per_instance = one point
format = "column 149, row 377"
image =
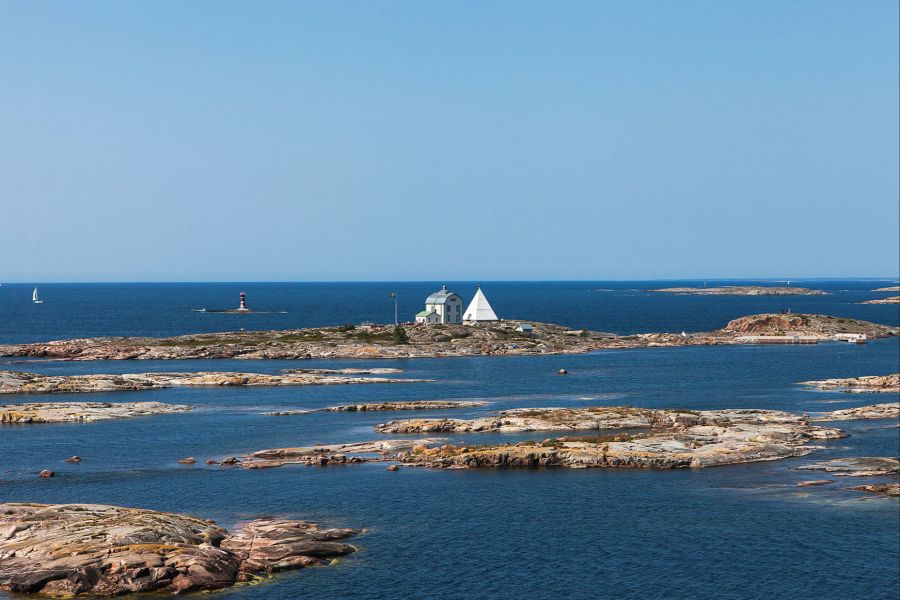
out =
column 400, row 336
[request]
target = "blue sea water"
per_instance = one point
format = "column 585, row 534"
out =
column 743, row 531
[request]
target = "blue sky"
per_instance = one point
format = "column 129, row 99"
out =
column 448, row 140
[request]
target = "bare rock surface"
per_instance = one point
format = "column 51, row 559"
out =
column 83, row 412
column 891, row 300
column 888, row 410
column 743, row 290
column 348, row 371
column 356, row 452
column 17, row 382
column 884, row 489
column 869, row 383
column 859, row 466
column 100, row 550
column 377, row 341
column 385, row 406
column 893, row 288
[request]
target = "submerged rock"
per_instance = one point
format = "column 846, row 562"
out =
column 100, row 550
column 82, row 412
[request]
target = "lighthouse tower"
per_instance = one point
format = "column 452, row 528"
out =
column 243, row 305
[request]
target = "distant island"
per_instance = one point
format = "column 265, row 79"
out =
column 438, row 340
column 891, row 300
column 894, row 288
column 743, row 290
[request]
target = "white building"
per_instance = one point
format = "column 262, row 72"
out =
column 441, row 307
column 479, row 310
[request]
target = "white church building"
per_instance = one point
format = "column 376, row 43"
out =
column 443, row 307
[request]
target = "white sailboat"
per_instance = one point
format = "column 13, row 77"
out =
column 34, row 297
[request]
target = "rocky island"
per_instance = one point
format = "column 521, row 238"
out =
column 870, row 384
column 17, row 382
column 69, row 549
column 667, row 438
column 743, row 290
column 83, row 412
column 421, row 340
column 893, row 288
column 890, row 300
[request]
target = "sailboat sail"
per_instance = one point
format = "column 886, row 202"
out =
column 34, row 297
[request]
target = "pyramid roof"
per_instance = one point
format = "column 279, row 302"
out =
column 479, row 309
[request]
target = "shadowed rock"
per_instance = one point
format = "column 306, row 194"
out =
column 103, row 550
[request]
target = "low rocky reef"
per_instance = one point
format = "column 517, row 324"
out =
column 385, row 406
column 621, row 417
column 421, row 340
column 869, row 383
column 893, row 288
column 83, row 412
column 68, row 549
column 857, row 466
column 335, row 454
column 891, row 300
column 17, row 382
column 883, row 489
column 743, row 290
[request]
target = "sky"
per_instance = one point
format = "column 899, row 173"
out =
column 466, row 140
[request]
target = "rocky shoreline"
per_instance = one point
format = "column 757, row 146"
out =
column 867, row 384
column 667, row 439
column 69, row 549
column 891, row 300
column 427, row 341
column 743, row 290
column 83, row 412
column 17, row 382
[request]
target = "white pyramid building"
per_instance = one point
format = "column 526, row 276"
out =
column 479, row 310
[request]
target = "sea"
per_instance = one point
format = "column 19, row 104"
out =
column 731, row 532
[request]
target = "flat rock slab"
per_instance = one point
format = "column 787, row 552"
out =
column 16, row 382
column 859, row 466
column 384, row 406
column 887, row 410
column 884, row 489
column 335, row 454
column 104, row 550
column 870, row 383
column 83, row 412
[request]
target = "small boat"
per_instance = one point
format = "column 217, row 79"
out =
column 34, row 297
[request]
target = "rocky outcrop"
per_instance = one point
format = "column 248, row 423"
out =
column 891, row 300
column 869, row 383
column 888, row 410
column 743, row 290
column 336, row 454
column 587, row 419
column 893, row 288
column 68, row 549
column 883, row 489
column 384, row 406
column 377, row 341
column 676, row 439
column 349, row 371
column 83, row 412
column 16, row 382
column 822, row 326
column 858, row 466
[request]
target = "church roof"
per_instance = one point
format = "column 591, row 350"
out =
column 440, row 297
column 480, row 309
